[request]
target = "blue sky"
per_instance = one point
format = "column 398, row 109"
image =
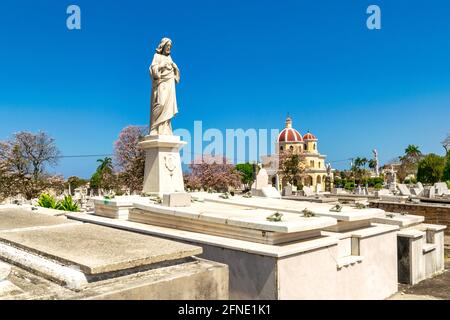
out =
column 244, row 65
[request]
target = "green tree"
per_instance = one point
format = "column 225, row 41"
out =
column 75, row 182
column 95, row 180
column 104, row 176
column 359, row 169
column 246, row 170
column 409, row 162
column 446, row 174
column 105, row 165
column 431, row 169
column 292, row 166
column 372, row 164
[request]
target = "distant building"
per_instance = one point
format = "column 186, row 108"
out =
column 307, row 145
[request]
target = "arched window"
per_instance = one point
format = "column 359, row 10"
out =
column 311, row 163
column 281, row 148
column 291, row 148
column 314, row 146
column 319, row 180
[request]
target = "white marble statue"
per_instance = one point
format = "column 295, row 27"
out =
column 164, row 74
column 377, row 164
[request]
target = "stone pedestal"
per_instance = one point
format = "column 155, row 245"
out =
column 163, row 174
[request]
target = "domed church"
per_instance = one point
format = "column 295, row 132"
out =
column 307, row 145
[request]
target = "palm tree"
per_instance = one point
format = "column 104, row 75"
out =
column 413, row 151
column 372, row 164
column 409, row 161
column 105, row 173
column 358, row 168
column 105, row 164
column 360, row 163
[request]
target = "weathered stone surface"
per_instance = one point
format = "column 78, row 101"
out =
column 241, row 216
column 11, row 219
column 5, row 270
column 95, row 249
column 193, row 279
column 7, row 288
column 296, row 207
column 177, row 199
column 163, row 172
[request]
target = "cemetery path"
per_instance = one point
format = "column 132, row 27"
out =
column 435, row 288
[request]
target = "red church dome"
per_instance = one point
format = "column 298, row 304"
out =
column 289, row 134
column 309, row 136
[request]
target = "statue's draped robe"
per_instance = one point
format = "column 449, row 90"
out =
column 163, row 97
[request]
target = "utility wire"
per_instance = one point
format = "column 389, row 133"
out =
column 87, row 156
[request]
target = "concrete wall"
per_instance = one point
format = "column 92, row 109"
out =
column 434, row 214
column 313, row 274
column 376, row 277
column 310, row 275
column 252, row 276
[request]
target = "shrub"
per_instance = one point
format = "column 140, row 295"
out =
column 68, row 204
column 350, row 185
column 378, row 186
column 431, row 169
column 372, row 182
column 47, row 201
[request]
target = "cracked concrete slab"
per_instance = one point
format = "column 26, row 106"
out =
column 96, row 249
column 12, row 219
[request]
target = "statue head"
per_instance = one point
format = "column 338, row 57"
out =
column 164, row 46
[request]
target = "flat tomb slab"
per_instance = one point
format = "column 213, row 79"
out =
column 293, row 206
column 237, row 222
column 403, row 221
column 241, row 216
column 11, row 219
column 95, row 249
column 311, row 199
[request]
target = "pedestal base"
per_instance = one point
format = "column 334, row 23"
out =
column 163, row 173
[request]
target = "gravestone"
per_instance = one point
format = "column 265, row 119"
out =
column 416, row 192
column 262, row 180
column 270, row 192
column 308, row 191
column 319, row 188
column 441, row 188
column 420, row 186
column 382, row 192
column 287, row 190
column 429, row 192
column 404, row 191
